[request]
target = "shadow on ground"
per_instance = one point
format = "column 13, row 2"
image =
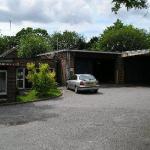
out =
column 25, row 113
column 90, row 93
column 87, row 92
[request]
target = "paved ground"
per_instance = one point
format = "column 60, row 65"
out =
column 114, row 119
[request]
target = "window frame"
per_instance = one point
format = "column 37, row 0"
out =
column 17, row 79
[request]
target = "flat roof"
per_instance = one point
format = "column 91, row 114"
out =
column 80, row 51
column 122, row 54
column 135, row 53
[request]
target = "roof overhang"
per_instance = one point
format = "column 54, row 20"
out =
column 135, row 53
column 52, row 54
column 3, row 55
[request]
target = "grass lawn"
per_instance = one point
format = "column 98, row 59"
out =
column 31, row 96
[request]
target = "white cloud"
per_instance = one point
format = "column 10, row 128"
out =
column 88, row 17
column 45, row 11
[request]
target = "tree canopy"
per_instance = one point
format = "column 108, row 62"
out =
column 6, row 43
column 29, row 30
column 31, row 42
column 92, row 43
column 129, row 4
column 120, row 37
column 67, row 40
column 32, row 45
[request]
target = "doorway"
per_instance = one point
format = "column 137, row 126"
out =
column 3, row 82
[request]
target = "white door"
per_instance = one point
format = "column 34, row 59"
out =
column 3, row 82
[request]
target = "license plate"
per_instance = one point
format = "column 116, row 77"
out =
column 90, row 83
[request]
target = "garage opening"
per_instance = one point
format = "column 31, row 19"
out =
column 103, row 70
column 59, row 73
column 137, row 70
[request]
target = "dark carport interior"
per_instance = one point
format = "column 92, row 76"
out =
column 137, row 69
column 101, row 65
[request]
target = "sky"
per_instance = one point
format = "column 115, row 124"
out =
column 87, row 17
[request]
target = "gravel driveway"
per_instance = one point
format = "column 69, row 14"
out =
column 116, row 118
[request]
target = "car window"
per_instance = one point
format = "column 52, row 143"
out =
column 86, row 77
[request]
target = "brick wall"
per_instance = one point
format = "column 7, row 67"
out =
column 66, row 60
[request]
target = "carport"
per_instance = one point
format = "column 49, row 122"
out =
column 101, row 65
column 130, row 67
column 136, row 68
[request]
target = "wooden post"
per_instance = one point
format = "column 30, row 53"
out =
column 119, row 71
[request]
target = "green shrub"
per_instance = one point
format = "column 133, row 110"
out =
column 42, row 79
column 31, row 96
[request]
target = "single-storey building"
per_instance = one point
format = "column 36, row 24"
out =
column 130, row 67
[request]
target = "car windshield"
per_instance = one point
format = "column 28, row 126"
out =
column 86, row 77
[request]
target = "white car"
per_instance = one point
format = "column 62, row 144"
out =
column 82, row 82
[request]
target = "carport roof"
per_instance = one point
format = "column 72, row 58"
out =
column 80, row 51
column 135, row 53
column 122, row 54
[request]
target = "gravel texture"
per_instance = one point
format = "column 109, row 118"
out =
column 116, row 118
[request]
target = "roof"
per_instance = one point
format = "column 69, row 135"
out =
column 80, row 51
column 7, row 52
column 135, row 53
column 8, row 64
column 122, row 54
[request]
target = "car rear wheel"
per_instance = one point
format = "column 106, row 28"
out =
column 95, row 91
column 76, row 90
column 67, row 87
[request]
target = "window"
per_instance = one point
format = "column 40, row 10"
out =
column 20, row 78
column 3, row 82
column 28, row 84
column 86, row 77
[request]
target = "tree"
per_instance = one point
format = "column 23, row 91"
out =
column 92, row 43
column 30, row 30
column 42, row 80
column 6, row 43
column 129, row 4
column 67, row 40
column 121, row 37
column 31, row 45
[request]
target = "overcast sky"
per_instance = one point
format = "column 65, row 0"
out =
column 87, row 17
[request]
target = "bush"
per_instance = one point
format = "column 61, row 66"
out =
column 31, row 96
column 42, row 79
